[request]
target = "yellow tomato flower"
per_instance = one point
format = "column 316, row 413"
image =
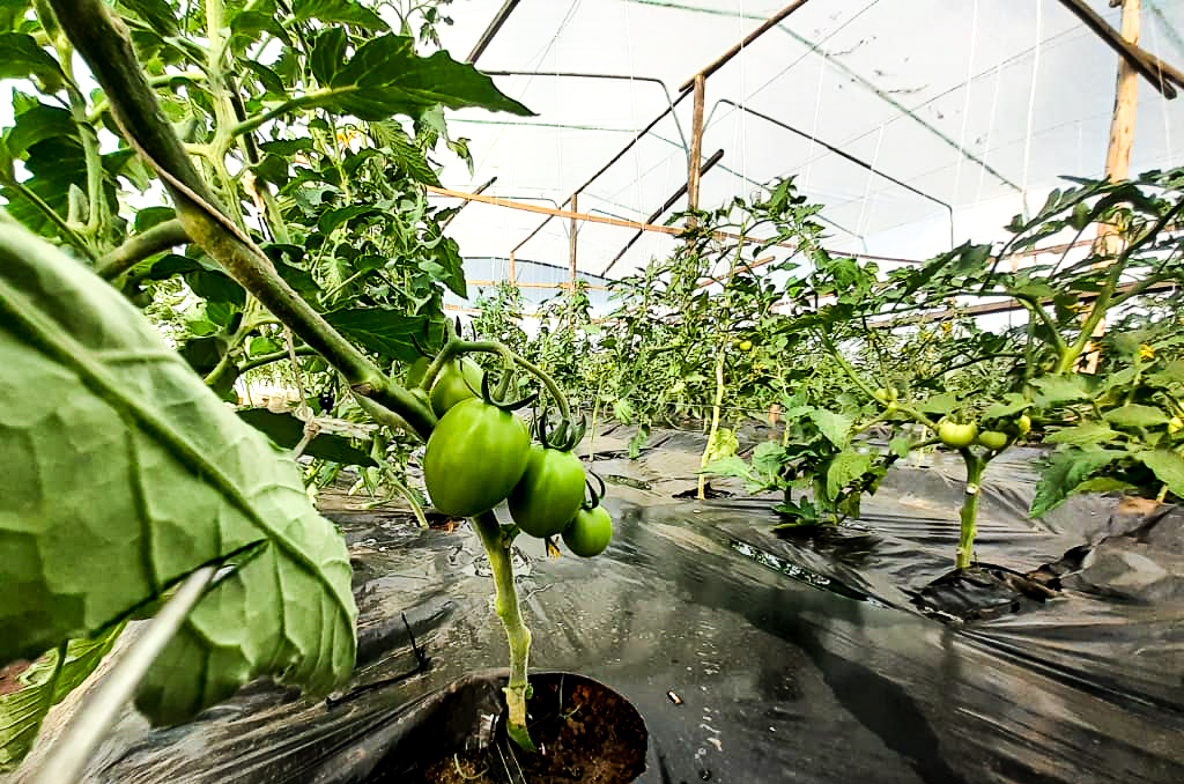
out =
column 1146, row 352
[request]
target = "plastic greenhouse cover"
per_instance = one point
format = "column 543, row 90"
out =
column 978, row 107
column 829, row 656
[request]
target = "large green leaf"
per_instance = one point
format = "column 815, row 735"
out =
column 385, row 76
column 388, row 333
column 1136, row 415
column 1065, row 474
column 21, row 57
column 121, row 473
column 1167, row 466
column 1085, row 433
column 836, row 427
column 44, row 685
column 845, row 468
column 346, row 11
column 1054, row 390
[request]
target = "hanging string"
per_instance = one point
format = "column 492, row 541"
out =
column 860, row 229
column 1163, row 104
column 824, row 61
column 982, row 170
column 1032, row 105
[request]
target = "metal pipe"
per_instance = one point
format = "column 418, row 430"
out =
column 614, row 77
column 847, row 157
column 678, row 194
column 722, row 60
column 494, row 27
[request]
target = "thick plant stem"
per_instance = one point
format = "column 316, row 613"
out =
column 507, row 609
column 974, row 476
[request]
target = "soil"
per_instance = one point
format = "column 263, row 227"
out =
column 585, row 733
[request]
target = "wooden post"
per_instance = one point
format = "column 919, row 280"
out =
column 696, row 146
column 513, row 271
column 1122, row 126
column 571, row 234
column 1118, row 153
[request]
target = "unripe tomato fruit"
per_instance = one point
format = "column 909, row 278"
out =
column 475, row 456
column 993, row 439
column 589, row 533
column 744, row 345
column 451, row 387
column 1023, row 425
column 889, row 395
column 549, row 494
column 955, row 435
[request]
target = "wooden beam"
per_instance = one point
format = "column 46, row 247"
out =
column 1150, row 67
column 696, row 152
column 722, row 60
column 572, row 233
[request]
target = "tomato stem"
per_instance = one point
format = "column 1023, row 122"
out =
column 509, row 612
column 974, row 475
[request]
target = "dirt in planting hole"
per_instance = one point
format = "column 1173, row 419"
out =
column 589, row 735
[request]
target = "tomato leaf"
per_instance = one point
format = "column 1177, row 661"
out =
column 844, row 469
column 1012, row 403
column 836, row 427
column 1167, row 466
column 346, row 11
column 1136, row 415
column 122, row 473
column 21, row 57
column 388, row 333
column 22, row 711
column 1065, row 474
column 1085, row 433
column 385, row 77
column 1053, row 390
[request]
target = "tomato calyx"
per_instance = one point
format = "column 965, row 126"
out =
column 565, row 437
column 509, row 407
column 594, row 495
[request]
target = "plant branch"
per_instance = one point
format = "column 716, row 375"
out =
column 159, row 238
column 267, row 359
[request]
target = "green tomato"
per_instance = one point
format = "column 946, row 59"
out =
column 993, row 439
column 549, row 494
column 886, row 396
column 1023, row 425
column 956, row 435
column 475, row 457
column 452, row 387
column 744, row 345
column 589, row 532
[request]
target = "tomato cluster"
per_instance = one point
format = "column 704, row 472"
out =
column 480, row 455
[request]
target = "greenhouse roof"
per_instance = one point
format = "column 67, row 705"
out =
column 915, row 124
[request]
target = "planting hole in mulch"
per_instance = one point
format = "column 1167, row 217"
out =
column 585, row 733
